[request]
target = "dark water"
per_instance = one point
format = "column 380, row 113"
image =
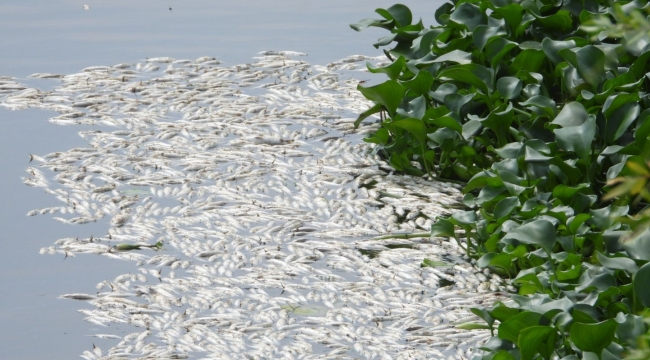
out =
column 61, row 37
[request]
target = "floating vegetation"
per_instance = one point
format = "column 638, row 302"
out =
column 128, row 247
column 269, row 206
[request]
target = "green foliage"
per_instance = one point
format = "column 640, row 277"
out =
column 549, row 131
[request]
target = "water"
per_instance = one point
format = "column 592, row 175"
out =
column 62, row 37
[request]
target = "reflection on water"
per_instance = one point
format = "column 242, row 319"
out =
column 62, row 37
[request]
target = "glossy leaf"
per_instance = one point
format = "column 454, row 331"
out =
column 530, row 60
column 497, row 48
column 469, row 15
column 401, row 14
column 386, row 24
column 475, row 75
column 511, row 328
column 509, row 87
column 393, row 70
column 560, row 21
column 552, row 48
column 537, row 340
column 504, row 207
column 455, row 56
column 589, row 61
column 471, row 326
column 442, row 228
column 617, row 263
column 537, row 232
column 593, row 337
column 642, row 285
column 373, row 110
column 499, row 260
column 388, row 94
column 572, row 114
column 420, row 84
column 414, row 126
column 483, row 33
column 577, row 138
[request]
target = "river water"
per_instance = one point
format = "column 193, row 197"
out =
column 61, row 37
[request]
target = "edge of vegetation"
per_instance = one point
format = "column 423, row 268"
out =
column 542, row 109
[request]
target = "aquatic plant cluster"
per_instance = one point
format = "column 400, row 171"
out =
column 254, row 212
column 540, row 108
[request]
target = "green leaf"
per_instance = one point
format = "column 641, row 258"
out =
column 552, row 47
column 455, row 102
column 482, row 179
column 442, row 91
column 393, row 70
column 483, row 314
column 529, row 60
column 483, row 33
column 538, row 232
column 500, row 119
column 638, row 247
column 566, row 193
column 572, row 114
column 531, row 156
column 463, row 217
column 589, row 61
column 473, row 74
column 497, row 48
column 504, row 207
column 630, row 327
column 448, row 121
column 604, row 218
column 388, row 94
column 642, row 285
column 415, row 127
column 620, row 110
column 617, row 263
column 510, row 151
column 499, row 260
column 443, row 228
column 509, row 87
column 537, row 340
column 577, row 222
column 471, row 127
column 512, row 14
column 511, row 328
column 442, row 13
column 559, row 22
column 543, row 103
column 593, row 337
column 457, row 56
column 128, row 247
column 386, row 24
column 577, row 138
column 503, row 355
column 420, row 84
column 380, row 137
column 433, row 264
column 469, row 15
column 373, row 110
column 472, row 326
column 398, row 12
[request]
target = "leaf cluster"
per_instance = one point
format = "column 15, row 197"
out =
column 541, row 122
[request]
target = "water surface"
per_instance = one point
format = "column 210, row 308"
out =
column 62, row 37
